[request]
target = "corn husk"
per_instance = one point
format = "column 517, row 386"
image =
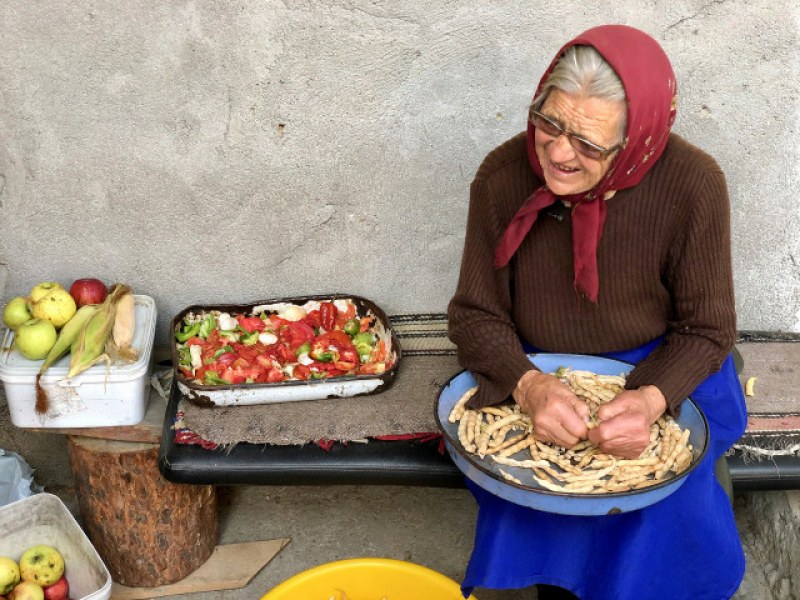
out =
column 118, row 345
column 66, row 337
column 89, row 348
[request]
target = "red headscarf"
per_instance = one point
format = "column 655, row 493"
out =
column 650, row 92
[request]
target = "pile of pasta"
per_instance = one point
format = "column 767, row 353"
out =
column 505, row 435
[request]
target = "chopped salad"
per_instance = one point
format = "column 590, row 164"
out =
column 282, row 342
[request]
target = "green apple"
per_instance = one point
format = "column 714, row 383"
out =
column 9, row 574
column 27, row 590
column 35, row 338
column 16, row 312
column 43, row 288
column 41, row 564
column 57, row 306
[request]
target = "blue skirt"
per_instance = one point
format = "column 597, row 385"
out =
column 683, row 547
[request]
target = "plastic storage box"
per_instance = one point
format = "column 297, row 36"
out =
column 100, row 396
column 43, row 519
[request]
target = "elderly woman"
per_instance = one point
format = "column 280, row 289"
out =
column 599, row 232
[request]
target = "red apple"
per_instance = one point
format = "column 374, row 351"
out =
column 88, row 291
column 58, row 591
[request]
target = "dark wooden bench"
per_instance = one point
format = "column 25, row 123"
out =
column 397, row 462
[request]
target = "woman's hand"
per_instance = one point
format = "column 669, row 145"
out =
column 624, row 428
column 558, row 415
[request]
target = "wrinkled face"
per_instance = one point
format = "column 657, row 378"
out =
column 566, row 171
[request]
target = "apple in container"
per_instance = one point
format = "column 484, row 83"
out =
column 41, row 564
column 16, row 312
column 42, row 289
column 27, row 590
column 9, row 574
column 34, row 338
column 88, row 291
column 58, row 591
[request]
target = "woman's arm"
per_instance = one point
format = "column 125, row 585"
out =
column 702, row 330
column 479, row 314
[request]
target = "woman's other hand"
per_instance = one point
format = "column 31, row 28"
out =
column 558, row 415
column 624, row 423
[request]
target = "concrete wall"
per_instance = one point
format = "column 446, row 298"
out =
column 229, row 151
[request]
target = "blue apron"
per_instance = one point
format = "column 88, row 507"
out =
column 685, row 547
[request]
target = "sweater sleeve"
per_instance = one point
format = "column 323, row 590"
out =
column 479, row 314
column 702, row 329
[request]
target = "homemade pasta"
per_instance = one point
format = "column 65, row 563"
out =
column 505, row 435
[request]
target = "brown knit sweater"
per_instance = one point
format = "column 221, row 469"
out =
column 664, row 266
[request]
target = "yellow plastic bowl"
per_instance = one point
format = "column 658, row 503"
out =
column 367, row 579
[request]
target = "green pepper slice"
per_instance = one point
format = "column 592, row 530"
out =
column 223, row 350
column 249, row 339
column 352, row 327
column 323, row 356
column 207, row 325
column 364, row 338
column 188, row 331
column 212, row 378
column 184, row 356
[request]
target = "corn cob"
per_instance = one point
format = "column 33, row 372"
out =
column 88, row 348
column 124, row 322
column 68, row 334
column 118, row 346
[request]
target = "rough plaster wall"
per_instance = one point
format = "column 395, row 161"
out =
column 228, row 151
column 768, row 522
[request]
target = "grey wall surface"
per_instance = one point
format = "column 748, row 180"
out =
column 230, row 151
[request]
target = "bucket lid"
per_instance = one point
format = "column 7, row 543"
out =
column 16, row 368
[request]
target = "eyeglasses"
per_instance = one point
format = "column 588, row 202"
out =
column 588, row 149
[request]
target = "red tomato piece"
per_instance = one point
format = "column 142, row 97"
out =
column 226, row 359
column 240, row 363
column 252, row 372
column 264, row 360
column 275, row 375
column 251, row 324
column 277, row 322
column 301, row 372
column 213, row 338
column 366, row 323
column 195, row 341
column 327, row 315
column 296, row 334
column 345, row 315
column 313, row 319
column 284, row 355
column 336, row 338
column 350, row 355
column 380, row 352
column 248, row 353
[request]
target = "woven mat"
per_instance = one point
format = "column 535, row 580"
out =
column 429, row 361
column 773, row 411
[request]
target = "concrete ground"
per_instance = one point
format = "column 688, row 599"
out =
column 428, row 526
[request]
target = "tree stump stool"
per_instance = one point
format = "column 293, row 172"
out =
column 148, row 531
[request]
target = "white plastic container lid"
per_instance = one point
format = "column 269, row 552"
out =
column 15, row 368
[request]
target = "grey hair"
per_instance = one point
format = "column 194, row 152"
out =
column 581, row 70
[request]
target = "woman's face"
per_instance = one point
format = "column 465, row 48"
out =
column 566, row 171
